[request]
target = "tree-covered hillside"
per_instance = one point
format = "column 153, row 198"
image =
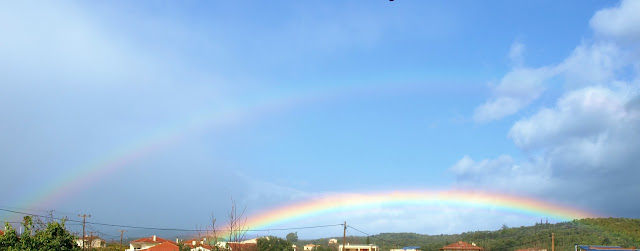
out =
column 599, row 231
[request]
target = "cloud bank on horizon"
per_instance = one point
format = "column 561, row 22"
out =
column 404, row 107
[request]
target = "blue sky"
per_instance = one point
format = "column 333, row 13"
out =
column 517, row 97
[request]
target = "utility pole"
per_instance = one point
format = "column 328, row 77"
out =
column 344, row 236
column 84, row 216
column 553, row 242
column 121, row 232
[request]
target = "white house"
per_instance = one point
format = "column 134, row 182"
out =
column 309, row 247
column 147, row 242
column 333, row 241
column 358, row 247
column 410, row 248
column 91, row 242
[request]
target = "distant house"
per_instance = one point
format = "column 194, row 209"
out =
column 358, row 247
column 409, row 248
column 198, row 245
column 165, row 246
column 238, row 246
column 309, row 247
column 295, row 248
column 333, row 241
column 148, row 242
column 1, row 232
column 461, row 246
column 91, row 242
column 605, row 248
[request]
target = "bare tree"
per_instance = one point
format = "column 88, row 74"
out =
column 235, row 229
column 236, row 223
column 213, row 233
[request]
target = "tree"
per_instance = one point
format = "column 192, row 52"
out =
column 236, row 228
column 52, row 237
column 323, row 248
column 273, row 243
column 236, row 223
column 292, row 237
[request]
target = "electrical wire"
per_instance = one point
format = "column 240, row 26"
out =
column 170, row 229
column 373, row 236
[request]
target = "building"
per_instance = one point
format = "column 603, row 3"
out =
column 604, row 248
column 1, row 232
column 358, row 247
column 461, row 246
column 198, row 245
column 409, row 248
column 147, row 242
column 333, row 241
column 91, row 242
column 238, row 246
column 165, row 246
column 309, row 247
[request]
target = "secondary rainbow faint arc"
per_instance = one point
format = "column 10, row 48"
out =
column 347, row 202
column 167, row 135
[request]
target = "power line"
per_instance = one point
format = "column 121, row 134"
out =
column 84, row 217
column 18, row 222
column 39, row 210
column 95, row 230
column 172, row 229
column 373, row 236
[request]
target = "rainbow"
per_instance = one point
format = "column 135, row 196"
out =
column 216, row 118
column 469, row 199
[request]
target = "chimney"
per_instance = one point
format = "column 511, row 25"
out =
column 154, row 237
column 193, row 242
column 473, row 244
column 177, row 240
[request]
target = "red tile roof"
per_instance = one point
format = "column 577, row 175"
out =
column 199, row 243
column 461, row 245
column 1, row 232
column 165, row 246
column 243, row 246
column 150, row 240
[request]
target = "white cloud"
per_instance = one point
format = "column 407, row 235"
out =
column 601, row 62
column 591, row 136
column 586, row 144
column 591, row 64
column 621, row 22
column 502, row 173
column 581, row 114
column 515, row 91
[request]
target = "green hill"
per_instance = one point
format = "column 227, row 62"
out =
column 599, row 231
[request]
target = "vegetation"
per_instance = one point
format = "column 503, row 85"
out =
column 292, row 237
column 50, row 236
column 272, row 243
column 600, row 231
